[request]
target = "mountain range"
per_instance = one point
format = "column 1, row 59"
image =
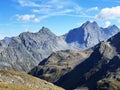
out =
column 25, row 51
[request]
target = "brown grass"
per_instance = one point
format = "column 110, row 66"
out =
column 8, row 86
column 19, row 80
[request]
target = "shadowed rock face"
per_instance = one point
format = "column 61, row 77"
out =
column 89, row 34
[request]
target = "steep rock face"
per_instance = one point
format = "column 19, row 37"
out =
column 21, row 81
column 103, row 63
column 88, row 35
column 28, row 49
column 58, row 64
column 41, row 44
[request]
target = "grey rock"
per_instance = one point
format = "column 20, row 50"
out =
column 86, row 36
column 28, row 49
column 89, row 34
column 4, row 43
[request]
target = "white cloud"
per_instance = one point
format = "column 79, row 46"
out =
column 107, row 24
column 36, row 11
column 37, row 20
column 25, row 17
column 93, row 9
column 50, row 6
column 109, row 13
column 52, row 14
column 28, row 3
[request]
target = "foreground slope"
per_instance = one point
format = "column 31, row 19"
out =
column 12, row 80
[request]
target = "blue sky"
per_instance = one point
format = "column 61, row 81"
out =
column 60, row 16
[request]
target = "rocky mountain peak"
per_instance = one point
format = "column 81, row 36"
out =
column 88, row 35
column 46, row 31
column 88, row 23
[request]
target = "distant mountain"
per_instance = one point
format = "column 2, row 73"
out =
column 28, row 49
column 89, row 34
column 12, row 80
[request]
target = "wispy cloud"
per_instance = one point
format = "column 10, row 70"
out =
column 48, row 8
column 54, row 14
column 109, row 13
column 27, row 17
column 27, row 3
column 93, row 9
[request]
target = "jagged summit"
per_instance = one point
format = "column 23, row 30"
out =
column 85, row 36
column 89, row 34
column 45, row 30
column 89, row 23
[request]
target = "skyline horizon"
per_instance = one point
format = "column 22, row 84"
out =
column 54, row 32
column 60, row 16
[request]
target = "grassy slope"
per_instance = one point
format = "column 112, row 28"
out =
column 9, row 86
column 21, row 81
